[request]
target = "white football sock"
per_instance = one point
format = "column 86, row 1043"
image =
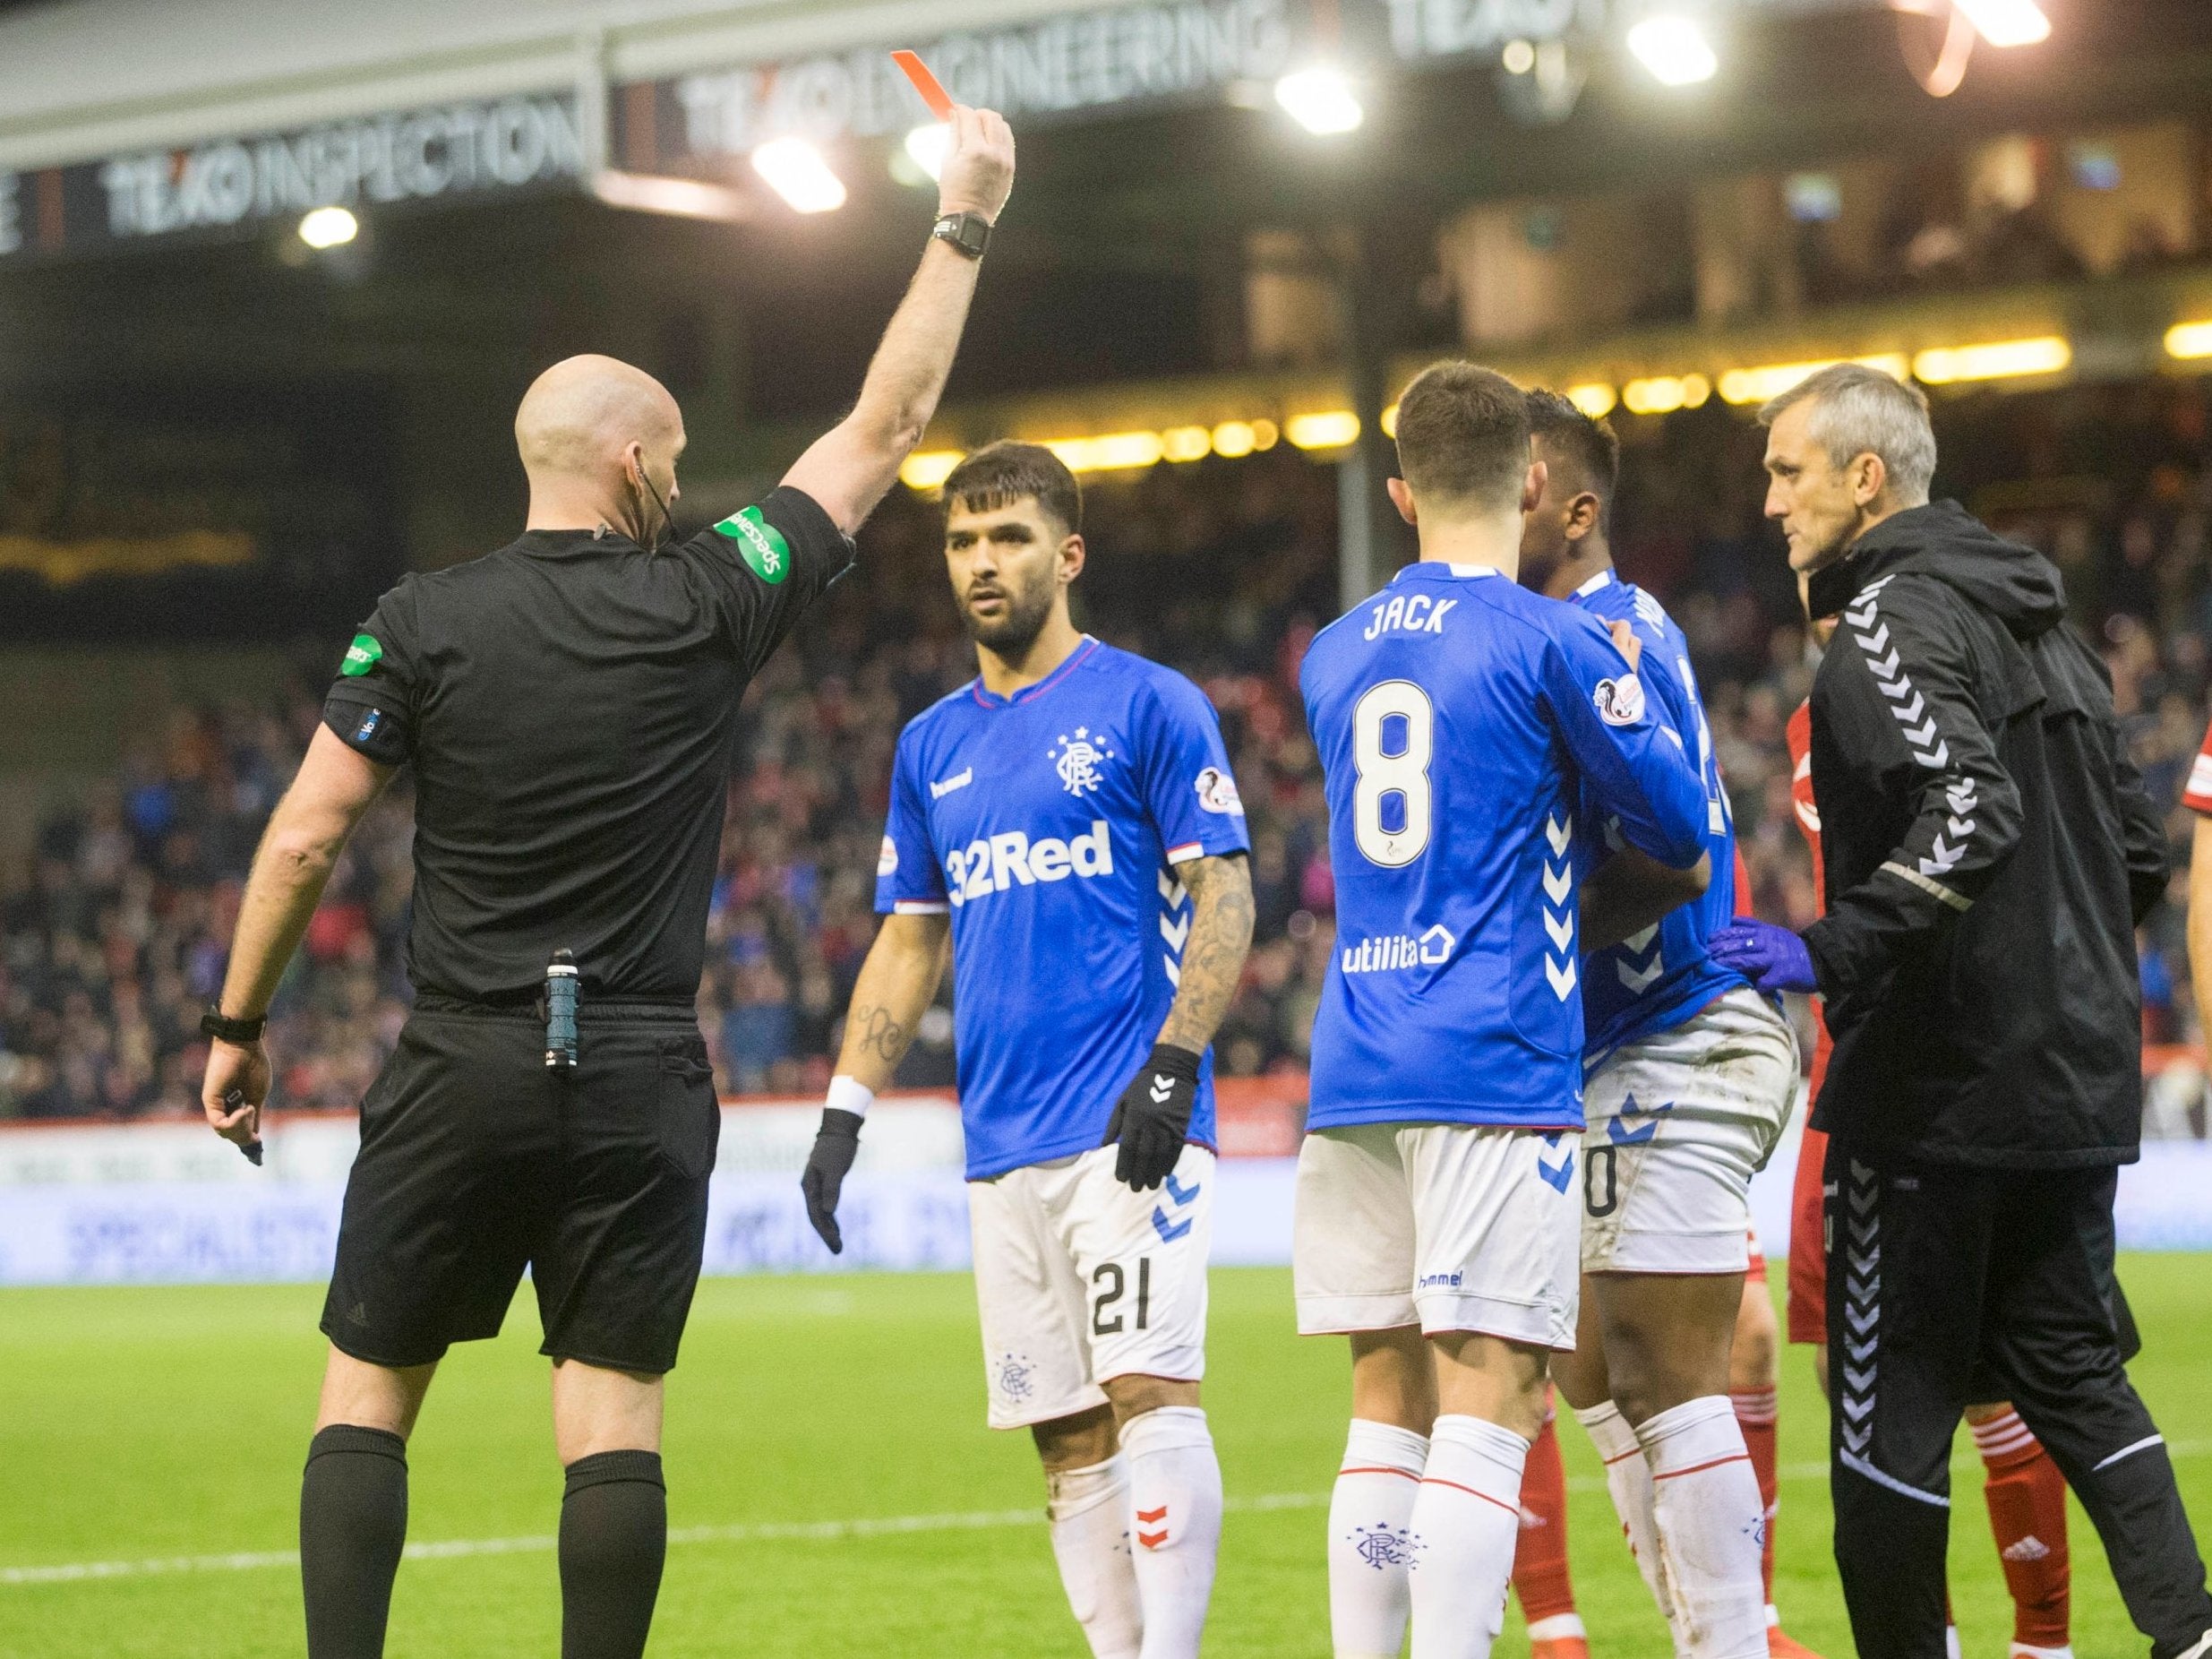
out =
column 1628, row 1478
column 1089, row 1510
column 1711, row 1527
column 1175, row 1503
column 1950, row 1642
column 1465, row 1525
column 1367, row 1548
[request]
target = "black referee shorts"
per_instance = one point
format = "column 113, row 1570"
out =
column 477, row 1161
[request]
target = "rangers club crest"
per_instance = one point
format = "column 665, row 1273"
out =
column 1016, row 1376
column 1381, row 1547
column 1076, row 761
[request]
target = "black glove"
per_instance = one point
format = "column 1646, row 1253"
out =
column 835, row 1145
column 1152, row 1117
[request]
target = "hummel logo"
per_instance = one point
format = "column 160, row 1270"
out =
column 1616, row 1128
column 1156, row 1518
column 1162, row 1087
column 959, row 781
column 1557, row 1176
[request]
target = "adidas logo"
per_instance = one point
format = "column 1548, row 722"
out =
column 2028, row 1548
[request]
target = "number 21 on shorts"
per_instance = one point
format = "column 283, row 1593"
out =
column 1393, row 735
column 1112, row 1284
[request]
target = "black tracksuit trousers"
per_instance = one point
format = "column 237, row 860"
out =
column 1948, row 1286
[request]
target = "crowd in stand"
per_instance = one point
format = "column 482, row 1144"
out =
column 113, row 933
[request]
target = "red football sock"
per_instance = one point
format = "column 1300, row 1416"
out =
column 1540, row 1555
column 1755, row 1415
column 2027, row 1498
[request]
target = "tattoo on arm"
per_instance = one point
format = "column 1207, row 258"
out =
column 875, row 1031
column 1220, row 932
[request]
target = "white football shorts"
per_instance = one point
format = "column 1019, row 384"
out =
column 1451, row 1226
column 1678, row 1125
column 1080, row 1280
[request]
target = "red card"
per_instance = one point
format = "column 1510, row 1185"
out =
column 933, row 94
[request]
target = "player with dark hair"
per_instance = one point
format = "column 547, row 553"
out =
column 1066, row 829
column 1467, row 729
column 567, row 704
column 1691, row 1077
column 1655, row 1008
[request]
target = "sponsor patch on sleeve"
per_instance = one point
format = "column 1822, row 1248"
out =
column 362, row 655
column 887, row 861
column 761, row 546
column 1620, row 701
column 1217, row 792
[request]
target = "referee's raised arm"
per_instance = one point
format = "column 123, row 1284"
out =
column 567, row 704
column 849, row 466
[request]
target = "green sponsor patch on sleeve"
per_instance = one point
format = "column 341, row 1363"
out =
column 761, row 546
column 362, row 655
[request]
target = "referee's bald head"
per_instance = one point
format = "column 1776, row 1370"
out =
column 580, row 418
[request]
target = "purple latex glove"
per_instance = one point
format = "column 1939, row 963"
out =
column 1773, row 958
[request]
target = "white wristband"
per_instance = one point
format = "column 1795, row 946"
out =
column 849, row 1094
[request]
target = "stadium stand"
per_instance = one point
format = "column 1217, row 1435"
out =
column 112, row 927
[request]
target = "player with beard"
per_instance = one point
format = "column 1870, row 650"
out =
column 1066, row 829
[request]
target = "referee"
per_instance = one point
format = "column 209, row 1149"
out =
column 1989, row 849
column 569, row 705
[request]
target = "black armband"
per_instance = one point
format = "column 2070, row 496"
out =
column 378, row 734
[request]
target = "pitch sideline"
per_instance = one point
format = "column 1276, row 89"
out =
column 760, row 1532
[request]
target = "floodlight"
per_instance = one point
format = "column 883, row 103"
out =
column 2004, row 359
column 1329, row 429
column 928, row 145
column 328, row 228
column 925, row 470
column 795, row 170
column 2190, row 340
column 2007, row 22
column 1320, row 99
column 1675, row 50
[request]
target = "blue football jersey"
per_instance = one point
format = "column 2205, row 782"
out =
column 1655, row 980
column 1050, row 824
column 1462, row 724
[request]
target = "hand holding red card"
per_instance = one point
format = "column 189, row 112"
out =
column 933, row 92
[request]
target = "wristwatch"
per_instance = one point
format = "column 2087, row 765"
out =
column 968, row 232
column 216, row 1024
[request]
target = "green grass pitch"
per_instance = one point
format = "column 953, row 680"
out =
column 140, row 1426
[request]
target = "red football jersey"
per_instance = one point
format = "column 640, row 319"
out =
column 1808, row 1260
column 2197, row 795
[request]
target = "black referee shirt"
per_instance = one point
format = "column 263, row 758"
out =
column 569, row 703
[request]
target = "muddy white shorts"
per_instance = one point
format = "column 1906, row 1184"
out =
column 1080, row 1280
column 1678, row 1125
column 1450, row 1226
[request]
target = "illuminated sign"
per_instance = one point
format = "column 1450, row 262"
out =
column 236, row 184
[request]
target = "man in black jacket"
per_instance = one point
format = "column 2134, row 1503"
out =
column 1989, row 849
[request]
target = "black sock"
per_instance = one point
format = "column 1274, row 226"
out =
column 353, row 1523
column 614, row 1538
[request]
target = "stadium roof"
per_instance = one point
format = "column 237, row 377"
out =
column 82, row 78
